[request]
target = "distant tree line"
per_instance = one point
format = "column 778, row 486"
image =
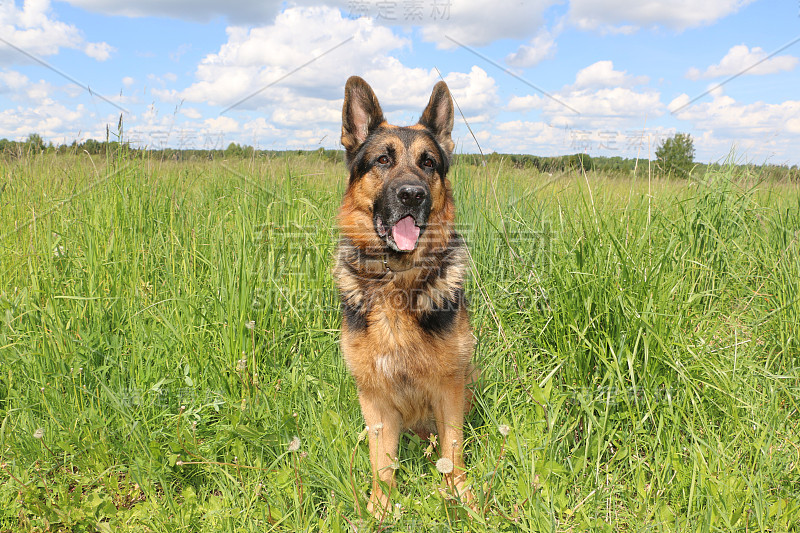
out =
column 35, row 145
column 525, row 161
column 674, row 157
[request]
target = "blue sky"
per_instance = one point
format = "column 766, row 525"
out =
column 543, row 77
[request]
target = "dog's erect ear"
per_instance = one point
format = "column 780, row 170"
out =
column 438, row 116
column 361, row 113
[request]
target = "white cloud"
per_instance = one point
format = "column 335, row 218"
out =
column 472, row 22
column 602, row 74
column 474, row 92
column 523, row 104
column 477, row 23
column 694, row 73
column 261, row 128
column 254, row 58
column 48, row 118
column 616, row 107
column 724, row 114
column 266, row 135
column 742, row 60
column 678, row 102
column 21, row 89
column 626, row 16
column 520, row 136
column 237, row 11
column 39, row 91
column 247, row 66
column 222, row 124
column 759, row 130
column 33, row 29
column 99, row 51
column 191, row 112
column 601, row 97
column 12, row 81
column 303, row 111
column 541, row 47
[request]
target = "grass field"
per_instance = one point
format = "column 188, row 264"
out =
column 169, row 328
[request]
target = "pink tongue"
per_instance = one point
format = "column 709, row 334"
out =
column 405, row 233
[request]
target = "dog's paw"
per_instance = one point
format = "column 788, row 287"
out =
column 379, row 504
column 464, row 494
column 460, row 492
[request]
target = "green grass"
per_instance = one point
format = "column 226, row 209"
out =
column 640, row 338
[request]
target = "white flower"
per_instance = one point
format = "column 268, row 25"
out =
column 295, row 444
column 39, row 433
column 444, row 465
column 504, row 429
column 250, row 325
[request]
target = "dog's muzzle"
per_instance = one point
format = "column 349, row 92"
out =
column 401, row 212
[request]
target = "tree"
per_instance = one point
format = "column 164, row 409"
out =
column 34, row 144
column 234, row 150
column 676, row 155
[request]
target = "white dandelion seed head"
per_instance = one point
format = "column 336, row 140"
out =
column 39, row 433
column 444, row 465
column 250, row 325
column 504, row 429
column 294, row 445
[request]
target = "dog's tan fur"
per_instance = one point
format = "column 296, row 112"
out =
column 406, row 336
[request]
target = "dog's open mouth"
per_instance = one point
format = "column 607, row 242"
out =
column 404, row 233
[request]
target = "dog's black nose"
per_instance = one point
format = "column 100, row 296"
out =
column 411, row 195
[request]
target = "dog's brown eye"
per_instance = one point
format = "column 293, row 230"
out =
column 383, row 160
column 428, row 163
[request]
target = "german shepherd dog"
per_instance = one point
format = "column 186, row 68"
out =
column 400, row 271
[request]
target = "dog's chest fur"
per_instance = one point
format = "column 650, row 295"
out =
column 408, row 323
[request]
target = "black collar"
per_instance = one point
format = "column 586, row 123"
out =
column 392, row 265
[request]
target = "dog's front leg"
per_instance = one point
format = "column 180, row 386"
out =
column 384, row 423
column 449, row 413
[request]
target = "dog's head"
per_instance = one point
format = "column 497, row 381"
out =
column 397, row 174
